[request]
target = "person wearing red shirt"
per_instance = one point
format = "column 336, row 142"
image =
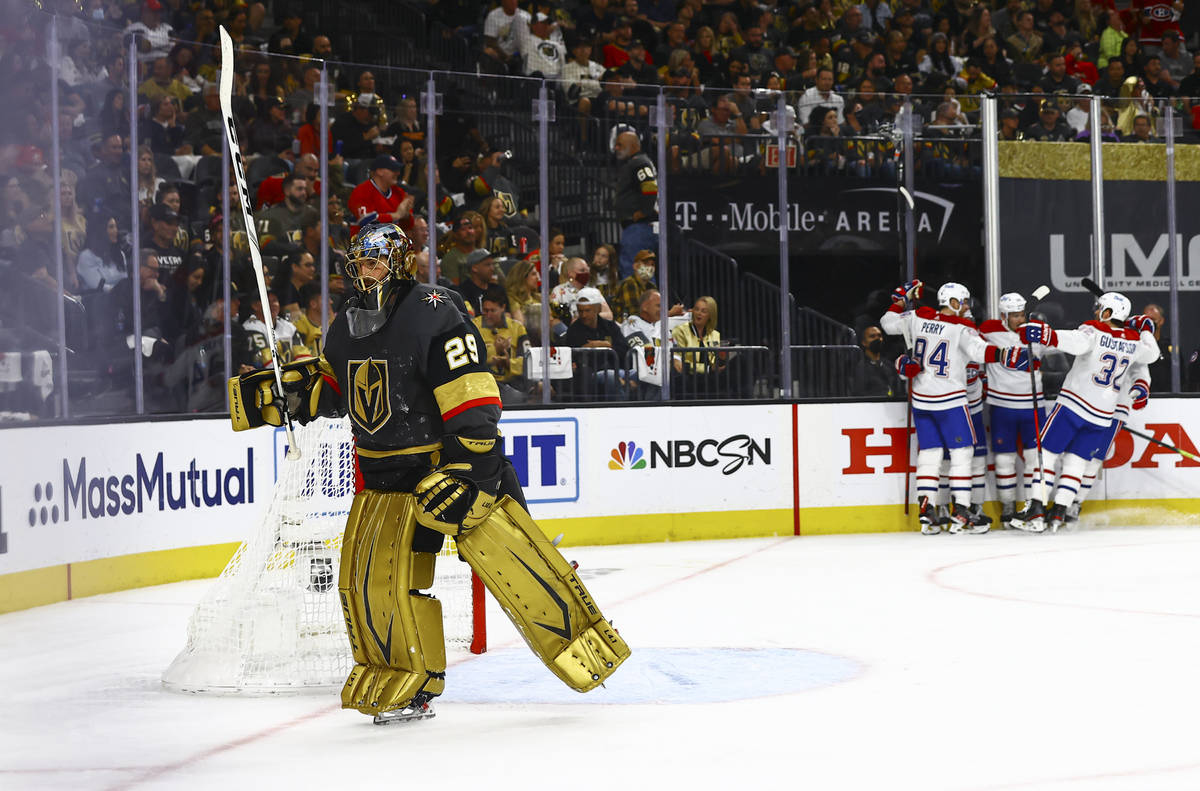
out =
column 1155, row 18
column 378, row 199
column 270, row 191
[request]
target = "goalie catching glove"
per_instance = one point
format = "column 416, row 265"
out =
column 254, row 400
column 461, row 492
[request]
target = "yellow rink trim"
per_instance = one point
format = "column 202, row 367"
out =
column 645, row 528
column 24, row 589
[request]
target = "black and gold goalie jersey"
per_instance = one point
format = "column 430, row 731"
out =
column 422, row 375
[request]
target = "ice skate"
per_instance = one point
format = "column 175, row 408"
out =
column 1073, row 513
column 1055, row 517
column 978, row 517
column 930, row 526
column 410, row 713
column 960, row 521
column 1032, row 519
column 1007, row 514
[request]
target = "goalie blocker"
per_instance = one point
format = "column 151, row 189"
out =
column 470, row 493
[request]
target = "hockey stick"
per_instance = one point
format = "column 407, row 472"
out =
column 239, row 170
column 1093, row 287
column 1037, row 296
column 1159, row 442
column 908, row 427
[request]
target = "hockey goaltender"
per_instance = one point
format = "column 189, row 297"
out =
column 403, row 360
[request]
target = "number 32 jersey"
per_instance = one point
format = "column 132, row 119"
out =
column 1103, row 355
column 422, row 375
column 944, row 345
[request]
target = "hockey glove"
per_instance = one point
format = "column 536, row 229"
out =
column 1038, row 332
column 461, row 492
column 1013, row 357
column 254, row 399
column 1141, row 396
column 907, row 292
column 907, row 366
column 1140, row 323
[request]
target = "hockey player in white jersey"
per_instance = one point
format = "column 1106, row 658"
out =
column 942, row 343
column 1080, row 426
column 1010, row 402
column 1134, row 397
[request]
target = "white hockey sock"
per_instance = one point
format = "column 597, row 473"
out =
column 1034, row 475
column 928, row 463
column 960, row 474
column 978, row 479
column 1006, row 477
column 1070, row 478
column 1089, row 478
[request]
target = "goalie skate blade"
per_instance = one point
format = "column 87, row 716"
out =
column 404, row 715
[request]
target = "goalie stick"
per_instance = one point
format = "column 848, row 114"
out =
column 239, row 171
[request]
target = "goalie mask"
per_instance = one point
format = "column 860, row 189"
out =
column 379, row 260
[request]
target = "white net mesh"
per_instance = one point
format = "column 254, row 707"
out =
column 272, row 621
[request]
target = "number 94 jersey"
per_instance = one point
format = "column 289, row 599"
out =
column 1103, row 356
column 422, row 375
column 943, row 345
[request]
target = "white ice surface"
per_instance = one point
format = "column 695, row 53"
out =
column 897, row 661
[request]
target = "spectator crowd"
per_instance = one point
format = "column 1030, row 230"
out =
column 842, row 70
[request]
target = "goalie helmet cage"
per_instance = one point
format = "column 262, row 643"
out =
column 272, row 622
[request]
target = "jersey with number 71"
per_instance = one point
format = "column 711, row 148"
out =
column 1103, row 355
column 943, row 345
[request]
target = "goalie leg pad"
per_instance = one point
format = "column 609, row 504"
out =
column 395, row 631
column 543, row 597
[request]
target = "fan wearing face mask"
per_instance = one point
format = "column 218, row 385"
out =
column 874, row 374
column 566, row 294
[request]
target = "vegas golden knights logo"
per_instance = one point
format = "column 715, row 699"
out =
column 370, row 404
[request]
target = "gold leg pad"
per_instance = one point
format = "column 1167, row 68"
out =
column 395, row 632
column 543, row 597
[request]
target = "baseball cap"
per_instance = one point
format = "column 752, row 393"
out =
column 540, row 17
column 1048, row 104
column 366, row 100
column 462, row 222
column 1083, row 88
column 478, row 255
column 386, row 161
column 589, row 296
column 642, row 255
column 1172, row 34
column 161, row 211
column 1009, row 112
column 864, row 37
column 611, row 75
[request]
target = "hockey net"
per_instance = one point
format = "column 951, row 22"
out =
column 272, row 622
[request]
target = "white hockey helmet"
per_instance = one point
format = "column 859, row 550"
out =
column 1118, row 304
column 951, row 291
column 1011, row 302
